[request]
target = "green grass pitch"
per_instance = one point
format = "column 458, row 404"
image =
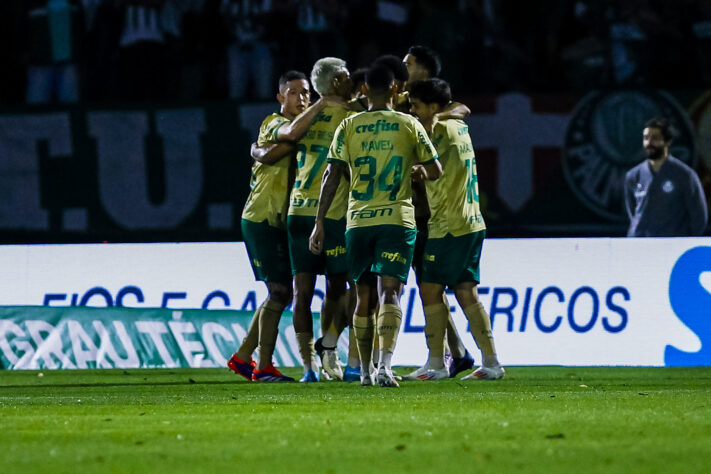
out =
column 538, row 419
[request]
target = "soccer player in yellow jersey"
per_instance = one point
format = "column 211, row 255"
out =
column 423, row 63
column 456, row 234
column 379, row 150
column 263, row 225
column 331, row 79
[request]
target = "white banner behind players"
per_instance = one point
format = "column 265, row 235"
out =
column 552, row 301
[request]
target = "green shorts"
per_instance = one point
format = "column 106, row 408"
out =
column 382, row 249
column 267, row 250
column 333, row 259
column 452, row 260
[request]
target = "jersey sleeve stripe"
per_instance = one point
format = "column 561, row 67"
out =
column 275, row 133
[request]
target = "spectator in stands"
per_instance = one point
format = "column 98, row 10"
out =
column 249, row 56
column 491, row 38
column 583, row 51
column 700, row 14
column 142, row 50
column 104, row 24
column 54, row 29
column 13, row 52
column 647, row 42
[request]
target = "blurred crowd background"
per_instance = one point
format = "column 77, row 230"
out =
column 131, row 120
column 109, row 50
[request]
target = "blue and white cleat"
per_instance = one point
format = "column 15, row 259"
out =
column 310, row 376
column 351, row 374
column 460, row 364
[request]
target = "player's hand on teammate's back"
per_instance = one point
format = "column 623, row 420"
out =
column 316, row 238
column 418, row 173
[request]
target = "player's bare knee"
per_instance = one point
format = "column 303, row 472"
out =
column 280, row 293
column 335, row 286
column 362, row 308
column 430, row 293
column 466, row 294
column 303, row 291
column 389, row 289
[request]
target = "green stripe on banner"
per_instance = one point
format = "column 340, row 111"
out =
column 42, row 337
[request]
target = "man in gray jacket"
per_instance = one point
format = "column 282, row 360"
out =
column 663, row 196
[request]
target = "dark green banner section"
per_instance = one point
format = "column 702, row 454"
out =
column 82, row 338
column 176, row 172
column 161, row 172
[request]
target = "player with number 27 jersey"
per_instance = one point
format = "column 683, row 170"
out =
column 311, row 155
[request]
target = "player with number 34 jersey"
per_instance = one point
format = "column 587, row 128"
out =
column 378, row 146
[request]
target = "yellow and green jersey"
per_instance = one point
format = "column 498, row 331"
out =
column 454, row 197
column 269, row 186
column 380, row 147
column 311, row 155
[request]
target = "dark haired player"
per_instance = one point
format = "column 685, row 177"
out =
column 422, row 63
column 456, row 235
column 331, row 79
column 380, row 149
column 263, row 224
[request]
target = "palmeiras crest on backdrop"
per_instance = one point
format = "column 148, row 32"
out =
column 604, row 141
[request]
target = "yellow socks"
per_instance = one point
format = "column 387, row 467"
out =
column 364, row 328
column 389, row 318
column 353, row 355
column 306, row 349
column 268, row 331
column 435, row 326
column 480, row 325
column 251, row 340
column 456, row 347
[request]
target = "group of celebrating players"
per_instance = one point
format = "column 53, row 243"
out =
column 376, row 176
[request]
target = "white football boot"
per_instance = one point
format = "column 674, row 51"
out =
column 367, row 377
column 415, row 375
column 434, row 374
column 330, row 365
column 486, row 373
column 386, row 378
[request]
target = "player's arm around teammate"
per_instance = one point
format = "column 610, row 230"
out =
column 263, row 228
column 273, row 153
column 296, row 128
column 380, row 233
